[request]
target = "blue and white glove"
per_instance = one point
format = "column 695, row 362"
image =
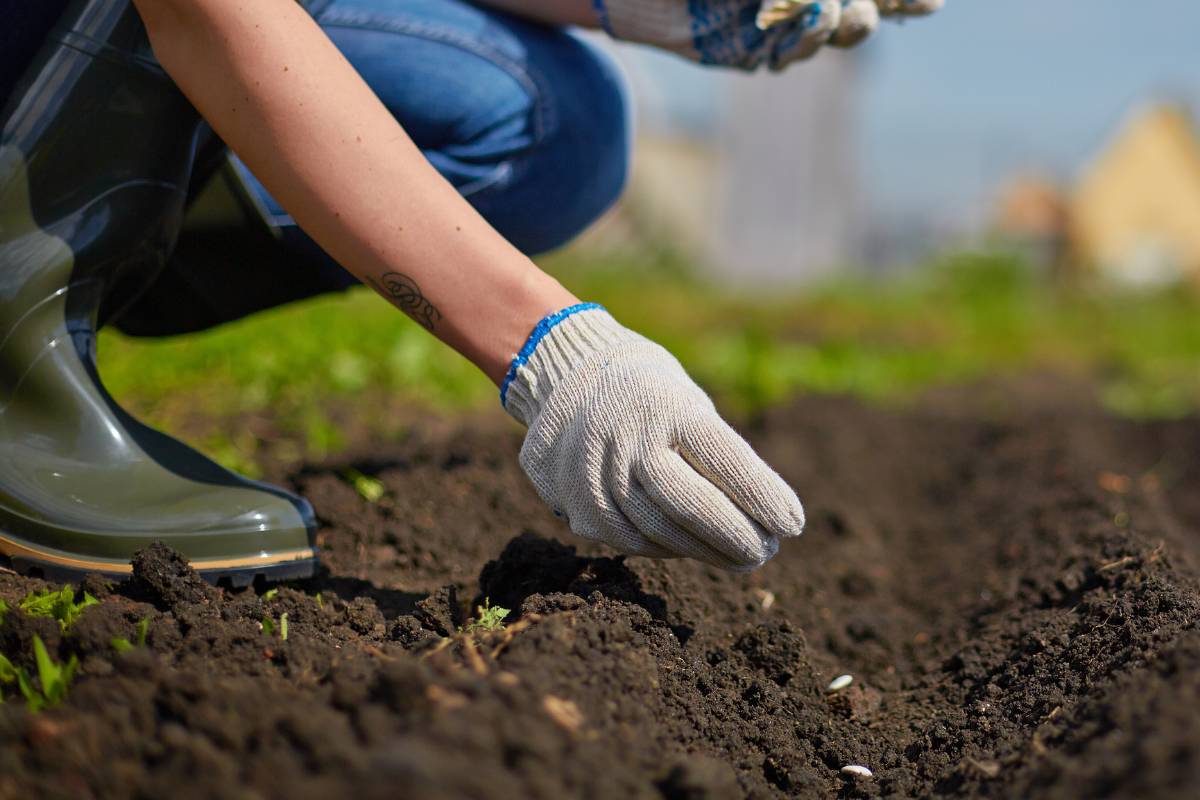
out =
column 723, row 32
column 632, row 453
column 747, row 34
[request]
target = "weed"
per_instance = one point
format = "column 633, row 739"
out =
column 488, row 618
column 53, row 679
column 60, row 605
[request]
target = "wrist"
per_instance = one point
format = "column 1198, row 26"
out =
column 502, row 325
column 554, row 348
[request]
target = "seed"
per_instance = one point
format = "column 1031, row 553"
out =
column 765, row 599
column 854, row 770
column 839, row 683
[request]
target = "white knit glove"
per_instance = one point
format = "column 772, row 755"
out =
column 632, row 453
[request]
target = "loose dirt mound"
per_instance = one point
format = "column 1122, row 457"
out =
column 1013, row 586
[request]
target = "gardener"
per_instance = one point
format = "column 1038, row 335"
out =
column 427, row 147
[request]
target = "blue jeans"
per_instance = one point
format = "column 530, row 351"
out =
column 529, row 123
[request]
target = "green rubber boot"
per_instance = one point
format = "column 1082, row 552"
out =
column 96, row 146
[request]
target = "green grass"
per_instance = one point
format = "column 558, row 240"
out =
column 956, row 320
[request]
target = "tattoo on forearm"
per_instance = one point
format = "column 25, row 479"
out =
column 407, row 296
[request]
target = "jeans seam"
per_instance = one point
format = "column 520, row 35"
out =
column 501, row 173
column 543, row 113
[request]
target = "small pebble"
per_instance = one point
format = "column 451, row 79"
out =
column 839, row 683
column 856, row 771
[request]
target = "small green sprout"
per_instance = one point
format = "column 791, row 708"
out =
column 3, row 610
column 489, row 618
column 8, row 674
column 320, row 601
column 60, row 605
column 122, row 645
column 269, row 595
column 368, row 488
column 53, row 679
column 270, row 626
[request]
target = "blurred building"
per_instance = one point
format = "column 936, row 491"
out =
column 1033, row 218
column 752, row 176
column 1135, row 215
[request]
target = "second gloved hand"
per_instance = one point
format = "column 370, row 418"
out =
column 625, row 446
column 747, row 34
column 724, row 32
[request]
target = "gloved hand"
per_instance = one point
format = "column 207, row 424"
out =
column 749, row 33
column 859, row 18
column 723, row 32
column 632, row 453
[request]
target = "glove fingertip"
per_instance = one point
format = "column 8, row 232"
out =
column 927, row 6
column 797, row 523
column 770, row 548
column 910, row 8
column 859, row 20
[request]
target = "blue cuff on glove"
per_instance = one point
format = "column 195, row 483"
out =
column 539, row 332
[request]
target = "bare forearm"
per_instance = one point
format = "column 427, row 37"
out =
column 551, row 12
column 281, row 95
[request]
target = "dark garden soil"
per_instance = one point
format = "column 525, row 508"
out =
column 1010, row 577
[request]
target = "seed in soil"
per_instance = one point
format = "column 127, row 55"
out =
column 856, row 771
column 765, row 599
column 839, row 683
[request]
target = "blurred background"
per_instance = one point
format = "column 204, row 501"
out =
column 1060, row 126
column 1002, row 190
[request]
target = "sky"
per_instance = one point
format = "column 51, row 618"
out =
column 954, row 103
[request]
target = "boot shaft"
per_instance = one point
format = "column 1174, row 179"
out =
column 96, row 148
column 104, row 143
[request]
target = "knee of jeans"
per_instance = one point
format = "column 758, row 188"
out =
column 580, row 166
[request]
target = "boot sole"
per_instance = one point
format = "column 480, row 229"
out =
column 29, row 560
